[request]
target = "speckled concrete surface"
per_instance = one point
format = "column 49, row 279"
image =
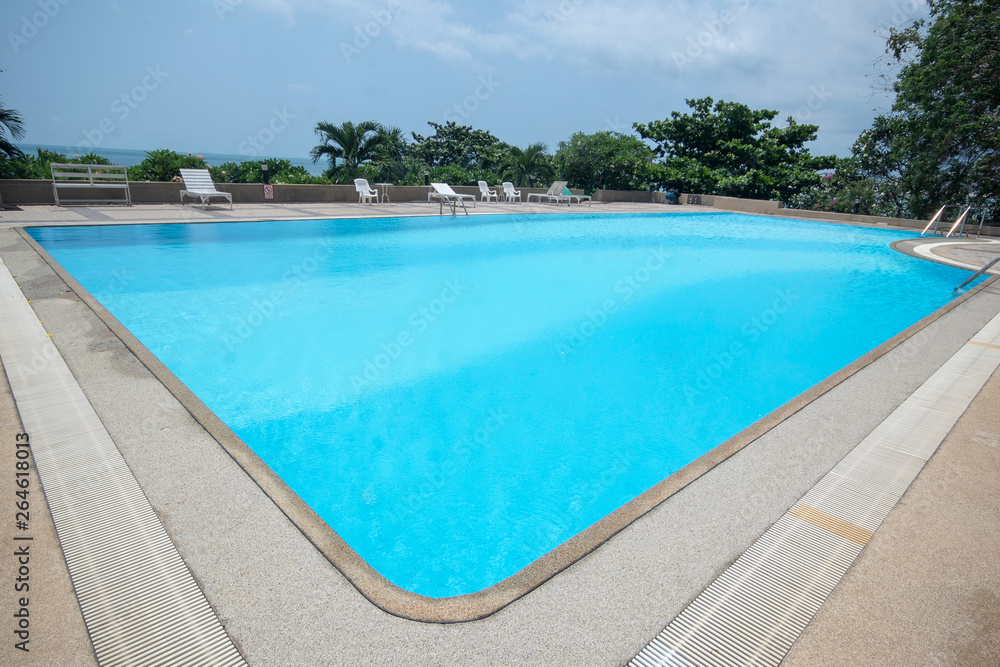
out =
column 284, row 604
column 926, row 590
column 157, row 213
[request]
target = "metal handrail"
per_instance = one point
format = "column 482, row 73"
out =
column 979, row 272
column 937, row 216
column 960, row 221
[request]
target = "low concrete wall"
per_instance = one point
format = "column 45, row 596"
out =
column 36, row 191
column 745, row 205
column 39, row 191
column 632, row 196
column 777, row 208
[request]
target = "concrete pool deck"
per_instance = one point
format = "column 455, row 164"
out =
column 284, row 604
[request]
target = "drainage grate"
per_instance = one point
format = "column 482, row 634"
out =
column 755, row 610
column 139, row 600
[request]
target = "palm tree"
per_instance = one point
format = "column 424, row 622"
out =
column 389, row 159
column 11, row 129
column 351, row 144
column 525, row 166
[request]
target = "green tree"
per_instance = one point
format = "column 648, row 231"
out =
column 876, row 168
column 347, row 146
column 529, row 166
column 389, row 164
column 11, row 130
column 727, row 148
column 458, row 145
column 947, row 105
column 605, row 160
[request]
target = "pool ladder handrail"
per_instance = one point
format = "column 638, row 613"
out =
column 979, row 272
column 935, row 219
column 960, row 221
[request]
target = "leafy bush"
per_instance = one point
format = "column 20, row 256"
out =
column 164, row 165
column 90, row 158
column 278, row 170
column 37, row 165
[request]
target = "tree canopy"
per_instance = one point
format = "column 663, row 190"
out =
column 347, row 146
column 605, row 160
column 458, row 145
column 940, row 144
column 529, row 166
column 11, row 130
column 948, row 104
column 727, row 148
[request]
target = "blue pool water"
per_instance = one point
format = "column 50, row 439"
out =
column 457, row 398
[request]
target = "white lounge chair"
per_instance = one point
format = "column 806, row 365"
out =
column 445, row 195
column 554, row 193
column 198, row 184
column 365, row 191
column 509, row 192
column 579, row 198
column 486, row 193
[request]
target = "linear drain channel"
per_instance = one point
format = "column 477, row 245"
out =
column 758, row 607
column 140, row 602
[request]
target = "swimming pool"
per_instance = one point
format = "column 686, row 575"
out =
column 456, row 399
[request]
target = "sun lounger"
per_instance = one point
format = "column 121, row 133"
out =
column 555, row 193
column 579, row 198
column 445, row 195
column 198, row 184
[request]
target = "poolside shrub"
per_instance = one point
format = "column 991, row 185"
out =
column 37, row 165
column 164, row 165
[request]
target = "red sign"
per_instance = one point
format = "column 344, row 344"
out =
column 268, row 191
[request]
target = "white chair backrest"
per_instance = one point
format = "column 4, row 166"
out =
column 361, row 185
column 508, row 186
column 444, row 189
column 557, row 188
column 197, row 179
column 483, row 187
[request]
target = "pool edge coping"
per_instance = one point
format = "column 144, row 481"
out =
column 473, row 606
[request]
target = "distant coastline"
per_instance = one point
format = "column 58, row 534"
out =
column 130, row 157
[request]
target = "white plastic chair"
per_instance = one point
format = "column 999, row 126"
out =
column 486, row 193
column 365, row 191
column 509, row 192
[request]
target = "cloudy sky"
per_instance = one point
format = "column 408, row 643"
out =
column 253, row 77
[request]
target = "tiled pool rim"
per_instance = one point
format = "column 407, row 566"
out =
column 399, row 602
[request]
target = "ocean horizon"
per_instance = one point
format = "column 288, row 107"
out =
column 130, row 157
